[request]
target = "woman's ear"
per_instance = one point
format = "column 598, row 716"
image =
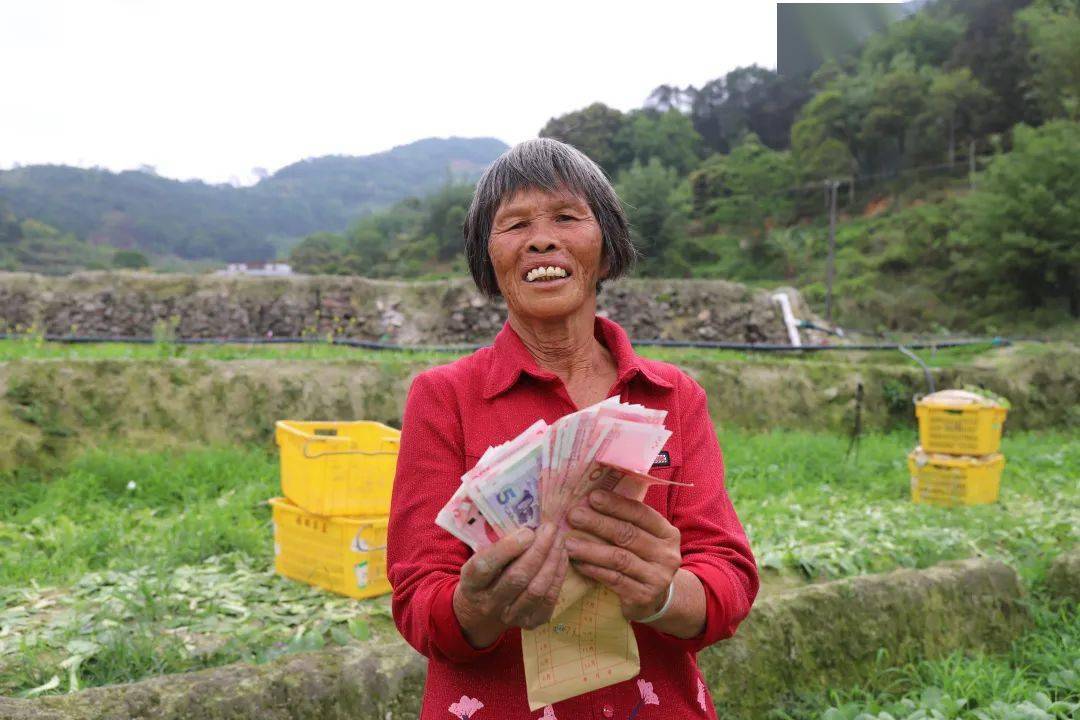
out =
column 602, row 274
column 605, row 266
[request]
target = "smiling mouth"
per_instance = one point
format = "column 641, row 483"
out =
column 546, row 274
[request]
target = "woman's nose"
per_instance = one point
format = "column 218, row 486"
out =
column 541, row 246
column 543, row 238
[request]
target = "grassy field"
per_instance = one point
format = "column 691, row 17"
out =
column 128, row 563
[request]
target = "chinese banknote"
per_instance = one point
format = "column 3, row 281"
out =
column 549, row 469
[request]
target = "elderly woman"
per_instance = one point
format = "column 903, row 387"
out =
column 545, row 229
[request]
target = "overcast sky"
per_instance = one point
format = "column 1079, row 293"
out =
column 213, row 89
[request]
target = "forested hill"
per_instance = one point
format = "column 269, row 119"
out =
column 160, row 216
column 729, row 179
column 338, row 188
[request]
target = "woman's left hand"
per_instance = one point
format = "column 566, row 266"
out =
column 643, row 555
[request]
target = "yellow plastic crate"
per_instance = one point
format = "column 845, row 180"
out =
column 959, row 423
column 345, row 555
column 338, row 468
column 954, row 479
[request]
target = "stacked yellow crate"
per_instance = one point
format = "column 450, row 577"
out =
column 957, row 461
column 330, row 528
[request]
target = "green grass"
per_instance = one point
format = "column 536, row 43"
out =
column 169, row 575
column 128, row 509
column 175, row 573
column 808, row 509
column 1038, row 679
column 33, row 348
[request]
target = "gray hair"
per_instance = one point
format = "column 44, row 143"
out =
column 550, row 165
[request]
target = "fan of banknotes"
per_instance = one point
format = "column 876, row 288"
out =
column 547, row 470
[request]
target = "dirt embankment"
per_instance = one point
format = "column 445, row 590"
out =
column 1063, row 576
column 50, row 408
column 820, row 636
column 407, row 313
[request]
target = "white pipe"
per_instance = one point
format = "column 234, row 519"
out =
column 789, row 319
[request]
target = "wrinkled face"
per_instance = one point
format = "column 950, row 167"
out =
column 547, row 251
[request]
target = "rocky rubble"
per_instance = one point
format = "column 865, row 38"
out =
column 409, row 313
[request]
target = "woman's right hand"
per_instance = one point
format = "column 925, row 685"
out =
column 514, row 582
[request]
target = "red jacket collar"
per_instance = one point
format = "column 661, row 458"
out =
column 510, row 358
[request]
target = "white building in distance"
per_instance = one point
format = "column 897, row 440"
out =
column 257, row 268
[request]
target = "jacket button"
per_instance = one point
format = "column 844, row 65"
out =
column 608, row 710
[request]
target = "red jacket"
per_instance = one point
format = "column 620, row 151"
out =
column 453, row 413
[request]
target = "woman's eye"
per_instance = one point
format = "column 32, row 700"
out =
column 518, row 225
column 566, row 218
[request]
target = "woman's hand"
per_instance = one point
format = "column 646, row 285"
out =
column 514, row 582
column 642, row 558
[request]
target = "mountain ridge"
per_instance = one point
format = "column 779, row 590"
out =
column 194, row 219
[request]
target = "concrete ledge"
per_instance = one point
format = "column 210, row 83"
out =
column 1063, row 577
column 828, row 634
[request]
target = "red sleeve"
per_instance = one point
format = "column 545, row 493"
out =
column 423, row 561
column 714, row 544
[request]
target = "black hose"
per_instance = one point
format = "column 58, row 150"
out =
column 773, row 347
column 466, row 347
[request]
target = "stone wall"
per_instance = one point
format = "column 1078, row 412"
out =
column 408, row 313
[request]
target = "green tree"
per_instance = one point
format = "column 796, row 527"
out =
column 671, row 97
column 827, row 158
column 129, row 259
column 996, row 52
column 669, row 137
column 321, row 253
column 444, row 218
column 955, row 103
column 747, row 190
column 592, row 130
column 365, row 249
column 1021, row 228
column 10, row 229
column 927, row 37
column 1052, row 28
column 746, row 100
column 414, row 237
column 825, row 141
column 829, row 72
column 656, row 206
column 899, row 97
column 374, row 245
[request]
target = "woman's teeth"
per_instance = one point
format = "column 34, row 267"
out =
column 545, row 273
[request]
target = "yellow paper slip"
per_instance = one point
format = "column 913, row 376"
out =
column 588, row 646
column 574, row 587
